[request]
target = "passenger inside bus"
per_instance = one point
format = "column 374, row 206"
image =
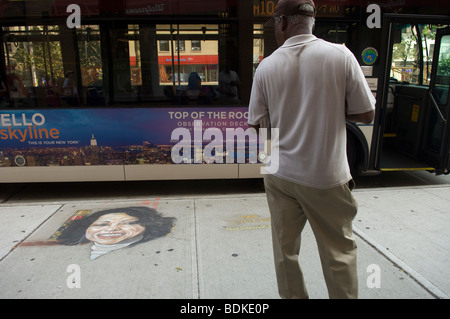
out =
column 229, row 85
column 70, row 90
column 18, row 94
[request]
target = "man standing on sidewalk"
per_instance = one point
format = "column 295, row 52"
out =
column 307, row 89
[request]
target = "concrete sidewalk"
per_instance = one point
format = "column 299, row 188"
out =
column 220, row 247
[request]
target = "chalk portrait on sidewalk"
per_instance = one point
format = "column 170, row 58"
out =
column 115, row 229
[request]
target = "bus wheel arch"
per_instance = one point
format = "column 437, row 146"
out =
column 357, row 149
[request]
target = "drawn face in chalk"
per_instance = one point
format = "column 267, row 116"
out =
column 114, row 228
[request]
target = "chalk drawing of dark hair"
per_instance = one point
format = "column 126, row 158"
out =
column 116, row 228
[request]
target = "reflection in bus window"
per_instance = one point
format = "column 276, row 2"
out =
column 332, row 32
column 33, row 62
column 183, row 49
column 258, row 45
column 135, row 56
column 89, row 50
column 188, row 62
column 120, row 63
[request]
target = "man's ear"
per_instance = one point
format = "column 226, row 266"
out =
column 284, row 23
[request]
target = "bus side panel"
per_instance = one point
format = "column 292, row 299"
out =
column 125, row 143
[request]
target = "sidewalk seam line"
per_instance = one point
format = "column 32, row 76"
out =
column 32, row 232
column 397, row 262
column 196, row 249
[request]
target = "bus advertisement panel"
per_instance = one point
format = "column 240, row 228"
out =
column 74, row 137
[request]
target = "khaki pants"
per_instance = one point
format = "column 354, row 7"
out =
column 330, row 213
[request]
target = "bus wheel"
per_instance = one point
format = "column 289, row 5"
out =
column 352, row 154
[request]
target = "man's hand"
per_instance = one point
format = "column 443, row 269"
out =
column 256, row 127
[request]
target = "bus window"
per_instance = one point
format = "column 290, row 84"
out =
column 332, row 32
column 413, row 53
column 428, row 32
column 405, row 56
column 90, row 55
column 440, row 92
column 183, row 49
column 123, row 64
column 135, row 55
column 34, row 64
column 197, row 64
column 178, row 64
column 440, row 96
column 258, row 45
column 118, row 75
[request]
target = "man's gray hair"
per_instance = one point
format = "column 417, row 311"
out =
column 302, row 19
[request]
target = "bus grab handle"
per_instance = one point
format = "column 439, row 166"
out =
column 437, row 108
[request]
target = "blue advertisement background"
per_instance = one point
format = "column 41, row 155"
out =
column 116, row 131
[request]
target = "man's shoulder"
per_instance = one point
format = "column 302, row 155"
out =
column 338, row 48
column 267, row 63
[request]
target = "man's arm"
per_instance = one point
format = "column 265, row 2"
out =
column 365, row 118
column 359, row 98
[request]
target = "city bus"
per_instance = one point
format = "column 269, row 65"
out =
column 128, row 90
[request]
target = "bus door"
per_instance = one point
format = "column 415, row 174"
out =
column 436, row 144
column 414, row 113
